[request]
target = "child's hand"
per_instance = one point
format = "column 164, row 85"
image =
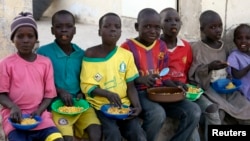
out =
column 113, row 99
column 15, row 114
column 169, row 83
column 217, row 64
column 183, row 86
column 149, row 80
column 66, row 98
column 80, row 96
column 135, row 111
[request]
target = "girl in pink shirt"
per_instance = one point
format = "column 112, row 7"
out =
column 27, row 84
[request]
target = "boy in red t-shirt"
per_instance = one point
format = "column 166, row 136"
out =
column 179, row 50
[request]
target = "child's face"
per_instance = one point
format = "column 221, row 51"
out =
column 110, row 30
column 24, row 40
column 149, row 28
column 242, row 39
column 213, row 29
column 63, row 29
column 170, row 23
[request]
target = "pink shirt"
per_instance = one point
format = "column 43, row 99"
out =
column 27, row 83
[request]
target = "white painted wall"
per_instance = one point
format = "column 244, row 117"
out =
column 130, row 8
column 86, row 11
column 89, row 11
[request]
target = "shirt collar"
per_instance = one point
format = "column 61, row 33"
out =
column 60, row 52
column 179, row 43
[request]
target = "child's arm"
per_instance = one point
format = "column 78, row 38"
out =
column 43, row 106
column 133, row 97
column 216, row 65
column 15, row 112
column 65, row 96
column 240, row 73
column 148, row 80
column 112, row 97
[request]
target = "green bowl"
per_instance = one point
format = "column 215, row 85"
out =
column 193, row 96
column 78, row 103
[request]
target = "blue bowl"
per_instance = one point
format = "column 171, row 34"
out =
column 220, row 85
column 26, row 127
column 105, row 108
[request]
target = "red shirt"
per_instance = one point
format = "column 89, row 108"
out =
column 180, row 60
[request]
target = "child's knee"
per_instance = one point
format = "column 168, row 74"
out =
column 213, row 108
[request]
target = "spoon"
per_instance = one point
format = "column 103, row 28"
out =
column 164, row 72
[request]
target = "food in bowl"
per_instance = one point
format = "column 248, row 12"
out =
column 166, row 94
column 118, row 110
column 226, row 86
column 194, row 90
column 70, row 109
column 230, row 85
column 112, row 111
column 79, row 106
column 28, row 121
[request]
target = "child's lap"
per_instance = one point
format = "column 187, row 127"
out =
column 66, row 123
column 38, row 135
column 203, row 102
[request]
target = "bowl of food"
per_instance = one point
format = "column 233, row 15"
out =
column 27, row 122
column 116, row 112
column 166, row 94
column 193, row 93
column 226, row 86
column 78, row 107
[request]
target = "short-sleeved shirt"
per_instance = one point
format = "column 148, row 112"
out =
column 180, row 60
column 110, row 73
column 239, row 61
column 148, row 60
column 67, row 68
column 27, row 84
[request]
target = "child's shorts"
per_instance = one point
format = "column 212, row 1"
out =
column 66, row 123
column 47, row 134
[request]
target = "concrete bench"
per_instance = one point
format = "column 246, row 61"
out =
column 165, row 133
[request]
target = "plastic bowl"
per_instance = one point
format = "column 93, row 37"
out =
column 193, row 96
column 105, row 108
column 77, row 103
column 220, row 85
column 166, row 94
column 26, row 127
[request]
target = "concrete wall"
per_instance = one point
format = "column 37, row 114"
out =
column 88, row 11
column 232, row 12
column 8, row 10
